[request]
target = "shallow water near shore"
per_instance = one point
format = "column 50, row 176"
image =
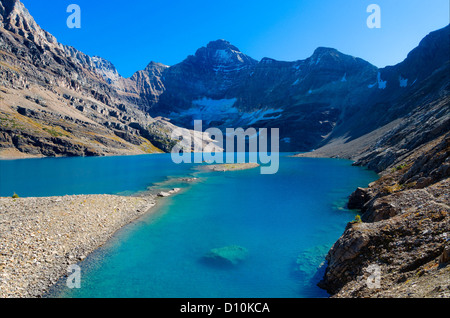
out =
column 287, row 222
column 85, row 175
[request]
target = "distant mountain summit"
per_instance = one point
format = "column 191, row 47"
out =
column 15, row 18
column 257, row 93
column 327, row 95
column 221, row 44
column 221, row 56
column 432, row 53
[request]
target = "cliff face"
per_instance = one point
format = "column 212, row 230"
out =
column 404, row 231
column 405, row 228
column 58, row 101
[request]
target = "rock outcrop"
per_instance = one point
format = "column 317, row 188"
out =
column 359, row 198
column 405, row 137
column 405, row 232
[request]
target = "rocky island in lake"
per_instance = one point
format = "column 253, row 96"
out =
column 229, row 167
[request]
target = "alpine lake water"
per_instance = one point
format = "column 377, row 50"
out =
column 286, row 222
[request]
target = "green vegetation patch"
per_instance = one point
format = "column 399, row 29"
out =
column 53, row 132
column 400, row 167
column 357, row 220
column 6, row 122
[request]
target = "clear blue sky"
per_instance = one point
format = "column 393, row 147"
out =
column 132, row 33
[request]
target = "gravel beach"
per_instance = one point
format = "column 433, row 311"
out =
column 41, row 237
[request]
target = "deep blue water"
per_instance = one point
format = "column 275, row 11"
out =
column 287, row 222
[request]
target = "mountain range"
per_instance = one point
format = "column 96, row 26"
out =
column 87, row 108
column 55, row 101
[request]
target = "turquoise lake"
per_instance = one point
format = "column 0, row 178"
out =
column 286, row 221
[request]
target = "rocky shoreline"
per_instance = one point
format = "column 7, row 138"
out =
column 402, row 239
column 41, row 237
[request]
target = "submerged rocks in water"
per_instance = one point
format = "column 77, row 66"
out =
column 229, row 255
column 230, row 167
column 311, row 260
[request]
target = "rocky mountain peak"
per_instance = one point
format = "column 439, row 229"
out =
column 320, row 51
column 222, row 45
column 15, row 18
column 106, row 69
column 331, row 60
column 432, row 52
column 155, row 66
column 14, row 15
column 323, row 54
column 6, row 6
column 221, row 54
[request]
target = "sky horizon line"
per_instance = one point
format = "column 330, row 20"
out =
column 260, row 59
column 288, row 31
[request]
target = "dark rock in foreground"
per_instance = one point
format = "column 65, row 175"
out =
column 404, row 237
column 359, row 198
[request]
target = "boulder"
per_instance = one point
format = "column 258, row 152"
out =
column 229, row 255
column 163, row 194
column 358, row 198
column 445, row 256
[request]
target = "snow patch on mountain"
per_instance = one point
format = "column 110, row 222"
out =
column 224, row 56
column 224, row 113
column 381, row 83
column 260, row 115
column 403, row 81
column 106, row 69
